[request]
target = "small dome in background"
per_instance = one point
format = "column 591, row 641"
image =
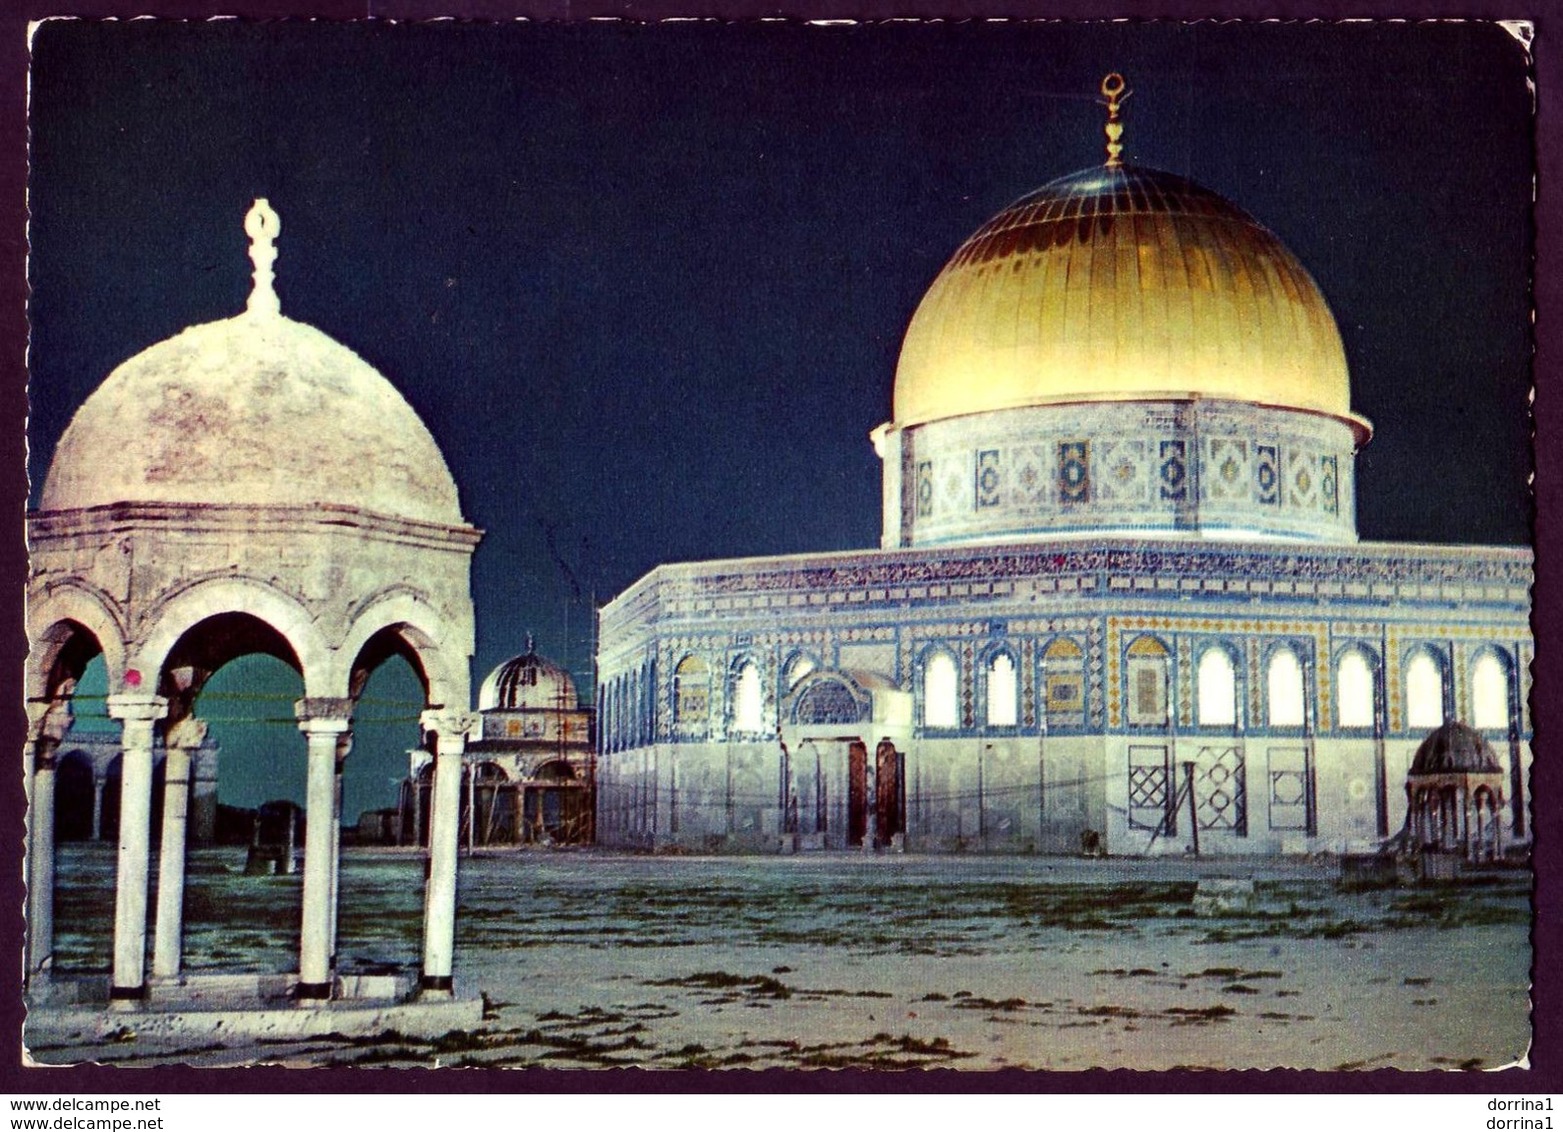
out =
column 1455, row 749
column 528, row 683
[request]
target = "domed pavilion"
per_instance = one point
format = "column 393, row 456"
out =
column 247, row 486
column 1454, row 795
column 1119, row 591
column 529, row 765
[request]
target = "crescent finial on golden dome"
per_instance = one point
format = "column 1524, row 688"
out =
column 263, row 226
column 1113, row 87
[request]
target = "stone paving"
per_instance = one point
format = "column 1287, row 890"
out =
column 588, row 959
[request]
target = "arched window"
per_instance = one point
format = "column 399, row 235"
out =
column 941, row 692
column 1489, row 693
column 1146, row 668
column 1001, row 691
column 1424, row 692
column 691, row 696
column 1064, row 691
column 748, row 704
column 1217, row 689
column 1354, row 690
column 797, row 668
column 1285, row 688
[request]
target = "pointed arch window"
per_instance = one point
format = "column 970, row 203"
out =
column 1284, row 685
column 748, row 703
column 1489, row 693
column 1424, row 692
column 797, row 668
column 1217, row 689
column 1354, row 686
column 941, row 692
column 1002, row 691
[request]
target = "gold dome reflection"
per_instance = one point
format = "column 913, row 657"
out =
column 1121, row 283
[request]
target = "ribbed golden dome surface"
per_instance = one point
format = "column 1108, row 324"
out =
column 258, row 410
column 1118, row 283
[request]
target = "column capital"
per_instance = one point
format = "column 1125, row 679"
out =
column 323, row 707
column 331, row 728
column 446, row 723
column 135, row 708
column 188, row 734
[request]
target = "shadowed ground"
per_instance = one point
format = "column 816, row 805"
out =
column 589, row 959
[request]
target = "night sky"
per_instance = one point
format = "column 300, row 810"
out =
column 647, row 285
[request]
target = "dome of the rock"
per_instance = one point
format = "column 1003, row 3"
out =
column 1121, row 283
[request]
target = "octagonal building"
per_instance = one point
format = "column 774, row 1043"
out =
column 1119, row 591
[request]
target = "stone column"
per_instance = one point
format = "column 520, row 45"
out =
column 343, row 747
column 324, row 722
column 40, row 890
column 50, row 724
column 137, row 714
column 181, row 742
column 98, row 783
column 439, row 918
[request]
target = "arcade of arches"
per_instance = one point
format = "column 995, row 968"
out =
column 207, row 543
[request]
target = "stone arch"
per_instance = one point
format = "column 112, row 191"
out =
column 797, row 666
column 745, row 695
column 691, row 704
column 1424, row 677
column 825, row 698
column 400, row 622
column 1061, row 692
column 180, row 612
column 65, row 612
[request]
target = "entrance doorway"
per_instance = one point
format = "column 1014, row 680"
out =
column 857, row 793
column 889, row 794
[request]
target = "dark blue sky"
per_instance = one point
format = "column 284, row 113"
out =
column 646, row 285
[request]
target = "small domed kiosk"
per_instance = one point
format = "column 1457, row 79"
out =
column 1454, row 795
column 530, row 767
column 268, row 492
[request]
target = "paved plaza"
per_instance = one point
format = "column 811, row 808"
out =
column 588, row 959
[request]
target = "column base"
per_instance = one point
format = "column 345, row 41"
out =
column 312, row 992
column 437, row 985
column 124, row 997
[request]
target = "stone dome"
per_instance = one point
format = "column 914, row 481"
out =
column 1121, row 283
column 256, row 410
column 1455, row 748
column 528, row 683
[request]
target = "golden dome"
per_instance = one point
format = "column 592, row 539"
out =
column 1120, row 283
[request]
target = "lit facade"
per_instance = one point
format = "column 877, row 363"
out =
column 1119, row 592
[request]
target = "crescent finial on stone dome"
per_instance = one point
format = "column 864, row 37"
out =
column 1113, row 87
column 263, row 226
